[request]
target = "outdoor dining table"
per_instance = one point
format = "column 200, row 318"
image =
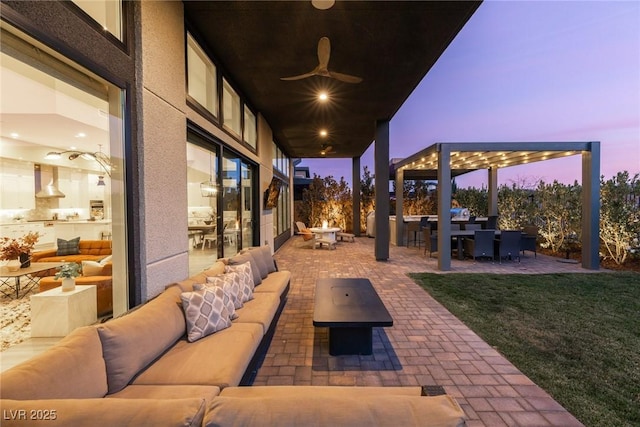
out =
column 459, row 234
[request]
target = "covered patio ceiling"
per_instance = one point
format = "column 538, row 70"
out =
column 471, row 156
column 391, row 45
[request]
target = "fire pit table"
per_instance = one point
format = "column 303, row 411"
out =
column 350, row 308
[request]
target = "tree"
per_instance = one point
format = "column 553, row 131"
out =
column 559, row 219
column 516, row 207
column 367, row 197
column 620, row 216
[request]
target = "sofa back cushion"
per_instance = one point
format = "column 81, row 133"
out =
column 71, row 369
column 336, row 411
column 95, row 247
column 133, row 341
column 264, row 252
column 183, row 412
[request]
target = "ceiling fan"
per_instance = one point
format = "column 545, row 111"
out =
column 324, row 52
column 325, row 149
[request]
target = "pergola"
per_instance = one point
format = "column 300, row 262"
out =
column 443, row 161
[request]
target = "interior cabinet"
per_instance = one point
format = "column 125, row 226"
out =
column 17, row 190
column 70, row 183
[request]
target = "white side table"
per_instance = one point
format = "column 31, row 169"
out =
column 55, row 313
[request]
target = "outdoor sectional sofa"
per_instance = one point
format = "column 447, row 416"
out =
column 140, row 369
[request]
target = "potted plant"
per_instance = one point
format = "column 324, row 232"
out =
column 18, row 251
column 68, row 272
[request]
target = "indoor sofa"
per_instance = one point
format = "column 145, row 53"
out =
column 143, row 369
column 87, row 250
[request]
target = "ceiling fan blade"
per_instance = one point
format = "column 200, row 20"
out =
column 300, row 77
column 345, row 77
column 324, row 52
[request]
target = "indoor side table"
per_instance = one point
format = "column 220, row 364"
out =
column 55, row 313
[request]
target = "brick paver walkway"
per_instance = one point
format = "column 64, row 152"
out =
column 427, row 345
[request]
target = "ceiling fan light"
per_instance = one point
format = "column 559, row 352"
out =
column 323, row 4
column 52, row 155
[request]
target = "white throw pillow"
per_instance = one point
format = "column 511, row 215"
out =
column 91, row 268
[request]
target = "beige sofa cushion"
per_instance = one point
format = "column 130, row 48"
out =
column 313, row 392
column 206, row 392
column 133, row 341
column 259, row 310
column 73, row 368
column 219, row 359
column 301, row 409
column 106, row 412
column 276, row 282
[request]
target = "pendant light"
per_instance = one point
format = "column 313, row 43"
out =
column 209, row 188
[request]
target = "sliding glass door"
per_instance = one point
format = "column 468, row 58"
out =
column 237, row 201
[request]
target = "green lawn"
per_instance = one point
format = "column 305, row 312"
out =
column 575, row 335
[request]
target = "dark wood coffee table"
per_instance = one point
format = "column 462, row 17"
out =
column 350, row 308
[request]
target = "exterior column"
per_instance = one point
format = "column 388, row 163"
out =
column 591, row 207
column 444, row 208
column 493, row 191
column 399, row 207
column 381, row 155
column 356, row 195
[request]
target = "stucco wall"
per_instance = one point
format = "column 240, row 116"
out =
column 161, row 138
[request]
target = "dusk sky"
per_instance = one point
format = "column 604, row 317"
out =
column 528, row 71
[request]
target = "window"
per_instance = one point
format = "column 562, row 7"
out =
column 280, row 161
column 282, row 213
column 201, row 77
column 250, row 136
column 107, row 13
column 231, row 108
column 78, row 152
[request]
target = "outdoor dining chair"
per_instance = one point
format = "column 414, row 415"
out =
column 509, row 244
column 528, row 242
column 481, row 245
column 430, row 241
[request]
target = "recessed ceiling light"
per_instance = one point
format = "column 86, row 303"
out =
column 80, row 135
column 14, row 134
column 73, row 147
column 323, row 4
column 323, row 96
column 323, row 132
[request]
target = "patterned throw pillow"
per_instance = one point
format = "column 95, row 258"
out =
column 228, row 300
column 231, row 284
column 246, row 280
column 68, row 247
column 205, row 312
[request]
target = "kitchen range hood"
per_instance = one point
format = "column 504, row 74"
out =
column 49, row 191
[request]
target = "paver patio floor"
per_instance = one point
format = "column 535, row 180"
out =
column 427, row 345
